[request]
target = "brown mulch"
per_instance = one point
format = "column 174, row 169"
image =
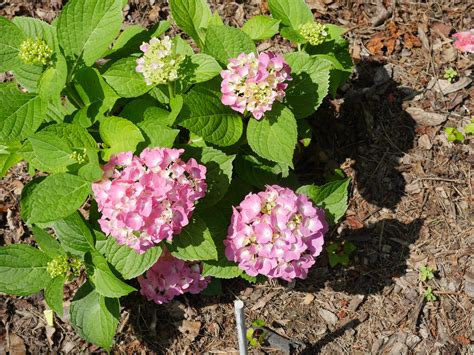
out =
column 410, row 206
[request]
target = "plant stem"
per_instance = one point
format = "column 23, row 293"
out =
column 171, row 90
column 73, row 96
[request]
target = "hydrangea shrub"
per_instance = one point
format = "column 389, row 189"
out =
column 153, row 160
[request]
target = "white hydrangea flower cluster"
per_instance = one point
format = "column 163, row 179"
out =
column 159, row 64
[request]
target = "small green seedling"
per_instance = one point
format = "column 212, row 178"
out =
column 425, row 273
column 339, row 253
column 454, row 135
column 428, row 294
column 469, row 128
column 450, row 74
column 256, row 337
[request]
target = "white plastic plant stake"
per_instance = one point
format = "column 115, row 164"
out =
column 240, row 320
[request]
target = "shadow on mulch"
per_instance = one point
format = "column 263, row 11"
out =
column 372, row 130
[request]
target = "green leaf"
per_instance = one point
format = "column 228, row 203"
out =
column 182, row 47
column 10, row 40
column 47, row 243
column 136, row 109
column 341, row 69
column 51, row 151
column 274, row 137
column 192, row 16
column 91, row 171
column 94, row 316
column 57, row 197
column 199, row 68
column 20, row 114
column 28, row 75
column 218, row 175
column 87, row 27
column 215, row 20
column 53, row 79
column 26, row 200
column 310, row 83
column 104, row 280
column 132, row 37
column 9, row 156
column 37, row 29
column 194, row 242
column 331, row 196
column 160, row 93
column 22, row 270
column 93, row 89
column 120, row 135
column 129, row 40
column 157, row 135
column 74, row 234
column 204, row 115
column 292, row 13
column 127, row 261
column 257, row 171
column 223, row 269
column 225, row 42
column 54, row 294
column 261, row 27
column 124, row 79
column 292, row 35
column 53, row 145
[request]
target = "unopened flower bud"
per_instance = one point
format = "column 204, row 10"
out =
column 58, row 266
column 79, row 156
column 35, row 51
column 314, row 32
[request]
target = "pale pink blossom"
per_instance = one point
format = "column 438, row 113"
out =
column 464, row 41
column 276, row 233
column 170, row 277
column 253, row 83
column 150, row 198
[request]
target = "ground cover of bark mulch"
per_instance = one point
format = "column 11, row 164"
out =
column 410, row 206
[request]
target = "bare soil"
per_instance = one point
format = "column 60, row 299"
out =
column 411, row 204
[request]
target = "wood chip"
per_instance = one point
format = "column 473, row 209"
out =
column 355, row 302
column 263, row 300
column 329, row 317
column 308, row 298
column 425, row 118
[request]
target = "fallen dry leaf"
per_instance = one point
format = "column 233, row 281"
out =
column 17, row 345
column 190, row 329
column 354, row 222
column 441, row 28
column 425, row 118
column 463, row 340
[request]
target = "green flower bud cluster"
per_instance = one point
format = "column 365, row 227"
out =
column 79, row 156
column 35, row 51
column 314, row 32
column 76, row 265
column 58, row 266
column 62, row 265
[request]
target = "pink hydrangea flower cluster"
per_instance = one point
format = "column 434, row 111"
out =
column 149, row 198
column 464, row 41
column 171, row 277
column 253, row 83
column 276, row 233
